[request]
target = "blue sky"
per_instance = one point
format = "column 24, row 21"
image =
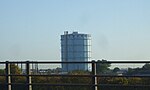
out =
column 31, row 29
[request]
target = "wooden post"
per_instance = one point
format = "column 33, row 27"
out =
column 94, row 78
column 8, row 77
column 28, row 77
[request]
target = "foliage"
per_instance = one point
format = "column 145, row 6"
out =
column 15, row 69
column 102, row 67
column 116, row 69
column 79, row 72
column 146, row 66
column 139, row 71
column 2, row 71
column 2, row 79
column 135, row 81
column 118, row 80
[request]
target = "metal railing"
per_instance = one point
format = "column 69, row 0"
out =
column 94, row 84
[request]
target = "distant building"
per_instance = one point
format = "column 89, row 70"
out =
column 75, row 47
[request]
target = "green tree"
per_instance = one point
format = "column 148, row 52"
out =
column 2, row 71
column 146, row 66
column 14, row 69
column 116, row 69
column 102, row 67
column 2, row 78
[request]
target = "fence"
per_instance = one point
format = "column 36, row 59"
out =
column 94, row 84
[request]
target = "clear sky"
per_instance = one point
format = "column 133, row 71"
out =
column 31, row 29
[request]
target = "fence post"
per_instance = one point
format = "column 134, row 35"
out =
column 8, row 77
column 94, row 78
column 28, row 77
